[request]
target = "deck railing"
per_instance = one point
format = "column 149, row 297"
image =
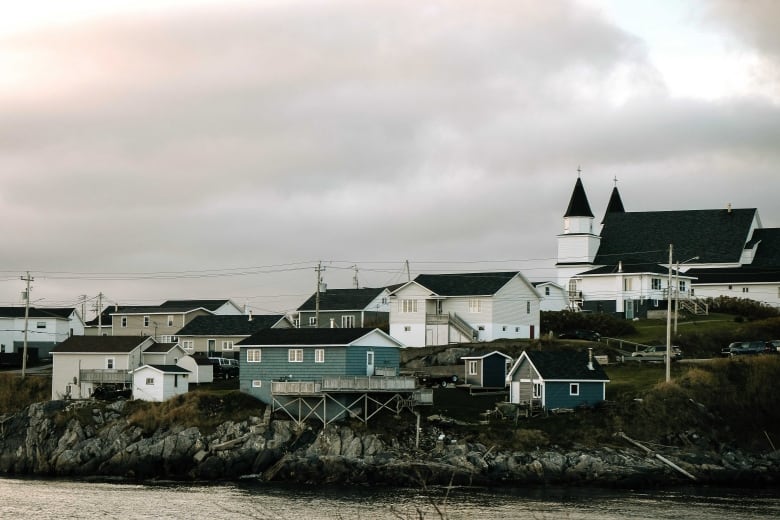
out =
column 345, row 384
column 105, row 376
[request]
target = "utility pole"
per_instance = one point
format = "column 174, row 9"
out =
column 319, row 270
column 83, row 299
column 27, row 279
column 408, row 274
column 100, row 313
column 355, row 278
column 669, row 320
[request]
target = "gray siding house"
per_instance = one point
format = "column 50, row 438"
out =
column 565, row 379
column 346, row 308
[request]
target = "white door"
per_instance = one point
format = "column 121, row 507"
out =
column 514, row 392
column 369, row 363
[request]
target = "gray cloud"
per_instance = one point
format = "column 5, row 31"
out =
column 351, row 131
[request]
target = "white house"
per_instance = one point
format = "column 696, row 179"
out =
column 554, row 297
column 46, row 327
column 439, row 309
column 159, row 382
column 82, row 363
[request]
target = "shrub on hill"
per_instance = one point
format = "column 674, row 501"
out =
column 742, row 308
column 17, row 393
column 604, row 324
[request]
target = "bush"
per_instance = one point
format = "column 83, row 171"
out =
column 604, row 324
column 743, row 308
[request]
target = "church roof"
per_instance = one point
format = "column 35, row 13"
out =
column 715, row 236
column 578, row 204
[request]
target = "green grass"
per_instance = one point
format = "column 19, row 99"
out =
column 633, row 379
column 650, row 332
column 17, row 393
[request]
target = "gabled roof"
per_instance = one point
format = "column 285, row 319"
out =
column 309, row 336
column 564, row 365
column 578, row 204
column 171, row 306
column 105, row 319
column 483, row 356
column 632, row 267
column 735, row 275
column 99, row 344
column 342, row 299
column 160, row 348
column 166, row 369
column 35, row 312
column 229, row 325
column 465, row 284
column 768, row 251
column 715, row 236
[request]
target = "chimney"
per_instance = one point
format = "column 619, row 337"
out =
column 590, row 359
column 250, row 315
column 620, row 266
column 728, row 207
column 333, row 323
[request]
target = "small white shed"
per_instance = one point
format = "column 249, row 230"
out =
column 201, row 369
column 159, row 382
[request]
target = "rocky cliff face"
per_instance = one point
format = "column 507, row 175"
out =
column 81, row 439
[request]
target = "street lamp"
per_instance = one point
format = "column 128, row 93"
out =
column 677, row 289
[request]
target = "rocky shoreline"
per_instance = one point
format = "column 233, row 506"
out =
column 99, row 441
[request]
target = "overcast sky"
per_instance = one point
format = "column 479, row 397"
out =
column 220, row 149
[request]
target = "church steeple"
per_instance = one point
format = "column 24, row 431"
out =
column 615, row 204
column 578, row 204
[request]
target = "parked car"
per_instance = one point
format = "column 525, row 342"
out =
column 743, row 348
column 773, row 345
column 224, row 368
column 657, row 353
column 590, row 335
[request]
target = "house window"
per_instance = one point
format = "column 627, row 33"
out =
column 2, row 348
column 745, row 289
column 528, row 307
column 123, row 322
column 475, row 305
column 574, row 389
column 211, row 345
column 110, row 364
column 572, row 286
column 319, row 355
column 297, row 323
column 253, row 355
column 682, row 285
column 348, row 322
column 256, row 383
column 407, row 328
column 517, row 329
column 149, row 381
column 188, row 344
column 655, row 303
column 655, row 284
column 731, row 287
column 227, row 345
column 537, row 391
column 627, row 283
column 473, row 368
column 503, row 328
column 295, row 355
column 312, row 321
column 168, row 339
column 547, row 291
column 146, row 321
column 40, row 325
column 384, row 301
column 407, row 306
column 170, row 320
column 481, row 327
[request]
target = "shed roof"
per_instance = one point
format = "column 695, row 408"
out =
column 565, row 365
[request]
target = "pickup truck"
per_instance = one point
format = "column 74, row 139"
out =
column 442, row 381
column 744, row 348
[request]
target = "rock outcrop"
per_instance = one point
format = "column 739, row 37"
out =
column 82, row 439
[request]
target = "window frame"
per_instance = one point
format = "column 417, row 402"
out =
column 574, row 389
column 295, row 355
column 319, row 355
column 348, row 321
column 536, row 391
column 473, row 367
column 254, row 355
column 149, row 381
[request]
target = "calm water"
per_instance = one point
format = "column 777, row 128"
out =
column 55, row 499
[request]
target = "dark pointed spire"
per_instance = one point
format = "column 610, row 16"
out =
column 615, row 204
column 578, row 205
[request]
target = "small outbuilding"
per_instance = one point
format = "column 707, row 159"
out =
column 557, row 380
column 486, row 371
column 159, row 382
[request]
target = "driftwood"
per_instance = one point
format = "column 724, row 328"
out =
column 656, row 455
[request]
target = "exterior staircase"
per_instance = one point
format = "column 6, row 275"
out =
column 463, row 327
column 694, row 306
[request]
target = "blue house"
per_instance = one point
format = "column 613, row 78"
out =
column 327, row 374
column 486, row 371
column 553, row 380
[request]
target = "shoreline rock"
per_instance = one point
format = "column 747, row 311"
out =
column 100, row 443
